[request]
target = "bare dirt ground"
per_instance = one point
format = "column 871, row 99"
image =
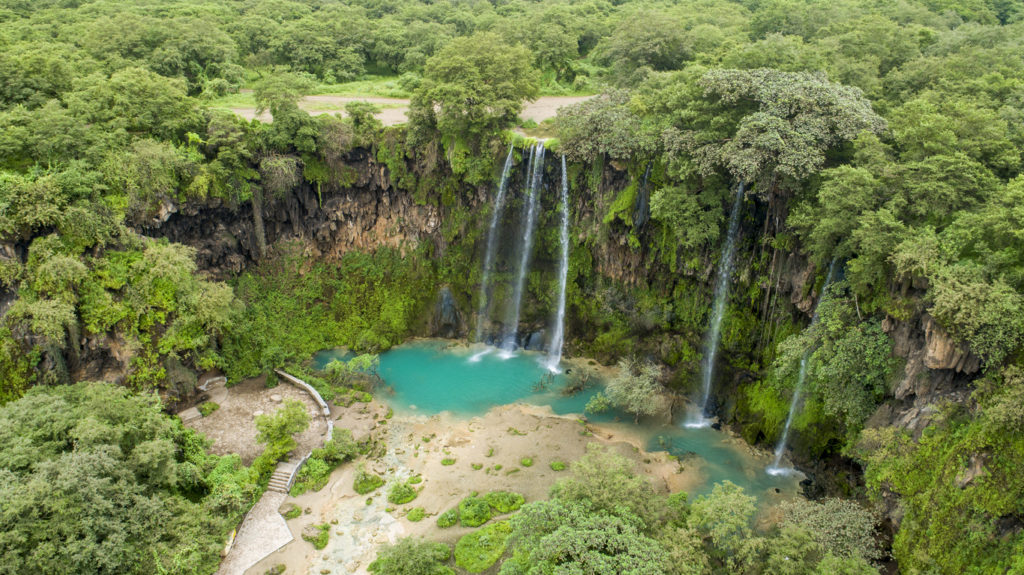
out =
column 497, row 442
column 395, row 110
column 233, row 427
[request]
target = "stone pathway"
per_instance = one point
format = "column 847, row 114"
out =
column 263, row 532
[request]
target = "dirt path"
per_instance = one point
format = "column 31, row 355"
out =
column 395, row 110
column 233, row 426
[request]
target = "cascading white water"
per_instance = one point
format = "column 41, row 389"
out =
column 508, row 340
column 714, row 334
column 558, row 332
column 492, row 244
column 780, row 448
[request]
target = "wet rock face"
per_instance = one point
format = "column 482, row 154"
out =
column 363, row 216
column 447, row 320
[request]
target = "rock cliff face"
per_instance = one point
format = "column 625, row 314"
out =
column 371, row 212
column 368, row 214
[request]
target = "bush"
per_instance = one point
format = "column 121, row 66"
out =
column 412, row 556
column 365, row 481
column 526, row 462
column 448, row 518
column 557, row 466
column 208, row 407
column 474, row 511
column 401, row 493
column 447, row 461
column 312, row 477
column 317, row 535
column 416, row 514
column 478, row 551
column 504, row 501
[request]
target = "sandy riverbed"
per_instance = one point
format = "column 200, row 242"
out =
column 504, row 436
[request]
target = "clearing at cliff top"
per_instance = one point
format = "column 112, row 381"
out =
column 394, row 110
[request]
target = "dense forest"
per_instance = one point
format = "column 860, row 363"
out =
column 149, row 235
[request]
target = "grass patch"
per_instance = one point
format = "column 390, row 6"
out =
column 447, row 461
column 479, row 550
column 416, row 514
column 208, row 407
column 557, row 466
column 477, row 466
column 526, row 462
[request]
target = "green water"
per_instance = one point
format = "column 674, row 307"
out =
column 430, row 377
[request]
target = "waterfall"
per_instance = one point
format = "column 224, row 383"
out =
column 536, row 176
column 642, row 208
column 558, row 333
column 714, row 334
column 774, row 468
column 492, row 244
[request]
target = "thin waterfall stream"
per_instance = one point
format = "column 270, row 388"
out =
column 774, row 468
column 536, row 176
column 558, row 333
column 492, row 244
column 714, row 336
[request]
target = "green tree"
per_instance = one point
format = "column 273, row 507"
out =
column 474, row 87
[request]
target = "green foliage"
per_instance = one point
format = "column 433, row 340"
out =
column 322, row 536
column 448, row 518
column 317, row 470
column 955, row 481
column 365, row 481
column 412, row 557
column 504, row 501
column 416, row 514
column 401, row 493
column 208, row 407
column 131, row 487
column 842, row 528
column 447, row 461
column 561, row 534
column 477, row 551
column 602, row 481
column 635, row 387
column 526, row 462
column 557, row 466
column 474, row 511
column 474, row 87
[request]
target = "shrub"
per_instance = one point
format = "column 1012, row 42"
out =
column 412, row 556
column 293, row 512
column 504, row 501
column 557, row 466
column 365, row 481
column 477, row 466
column 401, row 493
column 474, row 511
column 478, row 551
column 448, row 518
column 312, row 477
column 447, row 461
column 208, row 407
column 415, row 479
column 317, row 535
column 526, row 462
column 416, row 514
